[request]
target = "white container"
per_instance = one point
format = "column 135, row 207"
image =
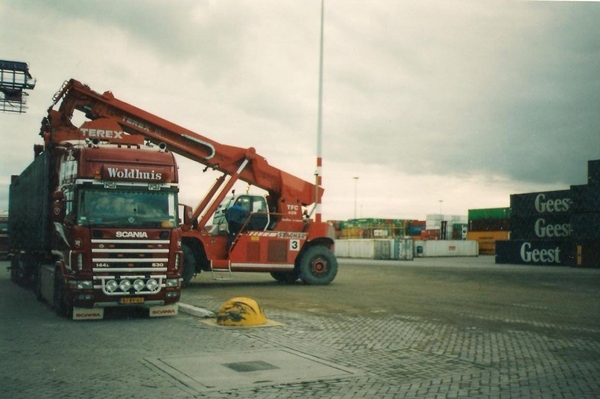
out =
column 403, row 249
column 364, row 249
column 434, row 221
column 375, row 249
column 435, row 248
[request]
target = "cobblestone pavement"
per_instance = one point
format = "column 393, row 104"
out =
column 389, row 355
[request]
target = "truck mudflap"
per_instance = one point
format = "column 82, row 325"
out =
column 88, row 314
column 98, row 313
column 163, row 311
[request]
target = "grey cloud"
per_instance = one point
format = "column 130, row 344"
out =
column 512, row 92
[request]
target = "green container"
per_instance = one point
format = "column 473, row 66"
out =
column 489, row 213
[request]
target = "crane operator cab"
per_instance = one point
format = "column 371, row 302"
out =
column 247, row 212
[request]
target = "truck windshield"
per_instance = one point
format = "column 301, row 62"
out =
column 127, row 208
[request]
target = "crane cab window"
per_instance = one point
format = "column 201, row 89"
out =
column 256, row 207
column 252, row 206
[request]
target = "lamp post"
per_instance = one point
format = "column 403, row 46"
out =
column 319, row 172
column 355, row 191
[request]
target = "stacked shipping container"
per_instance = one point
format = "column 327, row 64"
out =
column 488, row 225
column 540, row 229
column 445, row 227
column 585, row 220
column 555, row 227
column 372, row 228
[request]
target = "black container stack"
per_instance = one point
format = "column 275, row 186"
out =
column 555, row 227
column 540, row 230
column 586, row 219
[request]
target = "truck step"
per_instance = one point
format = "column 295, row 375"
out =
column 221, row 270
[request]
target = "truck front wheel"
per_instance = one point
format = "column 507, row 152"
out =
column 189, row 265
column 62, row 308
column 318, row 266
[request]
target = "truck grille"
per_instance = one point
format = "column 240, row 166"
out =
column 115, row 253
column 130, row 266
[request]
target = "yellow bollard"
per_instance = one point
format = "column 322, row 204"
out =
column 241, row 312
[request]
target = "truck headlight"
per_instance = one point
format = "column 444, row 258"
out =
column 85, row 285
column 172, row 282
column 138, row 285
column 152, row 284
column 81, row 284
column 125, row 285
column 111, row 286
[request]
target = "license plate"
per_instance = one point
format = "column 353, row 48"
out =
column 129, row 301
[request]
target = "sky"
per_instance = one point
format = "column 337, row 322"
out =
column 429, row 106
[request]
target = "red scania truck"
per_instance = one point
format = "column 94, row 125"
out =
column 93, row 220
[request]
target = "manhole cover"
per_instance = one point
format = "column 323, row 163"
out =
column 222, row 371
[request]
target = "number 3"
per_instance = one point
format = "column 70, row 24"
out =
column 294, row 245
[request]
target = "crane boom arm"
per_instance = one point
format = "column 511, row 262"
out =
column 282, row 186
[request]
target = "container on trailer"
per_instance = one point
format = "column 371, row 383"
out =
column 29, row 223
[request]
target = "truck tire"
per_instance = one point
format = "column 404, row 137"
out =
column 189, row 265
column 285, row 277
column 61, row 307
column 37, row 285
column 14, row 271
column 318, row 266
column 17, row 271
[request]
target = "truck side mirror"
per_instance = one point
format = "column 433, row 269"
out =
column 188, row 212
column 58, row 206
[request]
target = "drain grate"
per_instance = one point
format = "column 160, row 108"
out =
column 244, row 367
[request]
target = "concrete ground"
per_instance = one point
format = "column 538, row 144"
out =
column 428, row 328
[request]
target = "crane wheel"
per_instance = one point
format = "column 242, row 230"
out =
column 318, row 266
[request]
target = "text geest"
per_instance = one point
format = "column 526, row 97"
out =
column 539, row 255
column 551, row 206
column 544, row 230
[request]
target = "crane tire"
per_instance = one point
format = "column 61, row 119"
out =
column 318, row 266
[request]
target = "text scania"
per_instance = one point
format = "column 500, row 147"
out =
column 134, row 174
column 544, row 230
column 131, row 234
column 539, row 255
column 558, row 205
